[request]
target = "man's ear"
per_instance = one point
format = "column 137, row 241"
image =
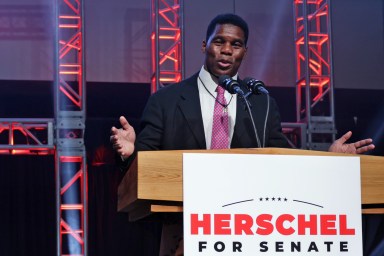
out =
column 203, row 46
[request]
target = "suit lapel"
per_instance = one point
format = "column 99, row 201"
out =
column 190, row 107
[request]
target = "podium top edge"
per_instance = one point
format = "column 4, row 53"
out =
column 277, row 151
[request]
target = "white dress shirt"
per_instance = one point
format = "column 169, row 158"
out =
column 207, row 103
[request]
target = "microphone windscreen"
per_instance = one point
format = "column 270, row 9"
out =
column 224, row 79
column 256, row 86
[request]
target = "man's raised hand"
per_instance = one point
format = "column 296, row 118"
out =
column 123, row 139
column 358, row 147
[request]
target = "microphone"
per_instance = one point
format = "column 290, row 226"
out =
column 255, row 86
column 232, row 86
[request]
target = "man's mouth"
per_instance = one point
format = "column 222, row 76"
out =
column 224, row 63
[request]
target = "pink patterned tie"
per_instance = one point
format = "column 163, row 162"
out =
column 220, row 127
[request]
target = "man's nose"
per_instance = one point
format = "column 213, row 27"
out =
column 226, row 48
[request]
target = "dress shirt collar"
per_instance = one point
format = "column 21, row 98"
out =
column 210, row 81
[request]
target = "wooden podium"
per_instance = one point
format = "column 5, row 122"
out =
column 154, row 181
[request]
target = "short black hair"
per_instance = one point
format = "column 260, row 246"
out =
column 228, row 18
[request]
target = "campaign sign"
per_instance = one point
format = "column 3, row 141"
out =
column 245, row 204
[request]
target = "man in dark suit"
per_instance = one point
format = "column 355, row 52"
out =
column 180, row 116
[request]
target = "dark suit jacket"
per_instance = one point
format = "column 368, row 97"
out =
column 172, row 120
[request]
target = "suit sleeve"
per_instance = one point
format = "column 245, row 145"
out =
column 152, row 126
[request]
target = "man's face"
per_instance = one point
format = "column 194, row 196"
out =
column 224, row 50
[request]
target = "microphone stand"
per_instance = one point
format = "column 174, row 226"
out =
column 247, row 104
column 234, row 87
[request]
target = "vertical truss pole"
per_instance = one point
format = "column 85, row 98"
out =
column 314, row 72
column 71, row 168
column 167, row 42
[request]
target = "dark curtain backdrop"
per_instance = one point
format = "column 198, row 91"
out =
column 28, row 215
column 110, row 232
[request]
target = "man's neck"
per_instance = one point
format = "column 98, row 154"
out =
column 214, row 77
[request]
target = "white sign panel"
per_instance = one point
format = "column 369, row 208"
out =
column 271, row 204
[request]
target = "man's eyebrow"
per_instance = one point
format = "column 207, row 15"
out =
column 217, row 36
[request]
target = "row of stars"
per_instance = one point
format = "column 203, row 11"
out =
column 273, row 199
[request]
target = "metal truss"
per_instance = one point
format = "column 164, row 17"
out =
column 296, row 134
column 71, row 168
column 167, row 42
column 314, row 72
column 28, row 136
column 64, row 135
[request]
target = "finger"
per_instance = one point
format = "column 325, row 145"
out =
column 113, row 130
column 116, row 146
column 361, row 143
column 124, row 123
column 365, row 148
column 120, row 152
column 361, row 150
column 345, row 137
column 112, row 139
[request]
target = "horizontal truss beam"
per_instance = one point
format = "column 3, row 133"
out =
column 28, row 136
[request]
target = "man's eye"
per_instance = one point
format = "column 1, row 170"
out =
column 237, row 45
